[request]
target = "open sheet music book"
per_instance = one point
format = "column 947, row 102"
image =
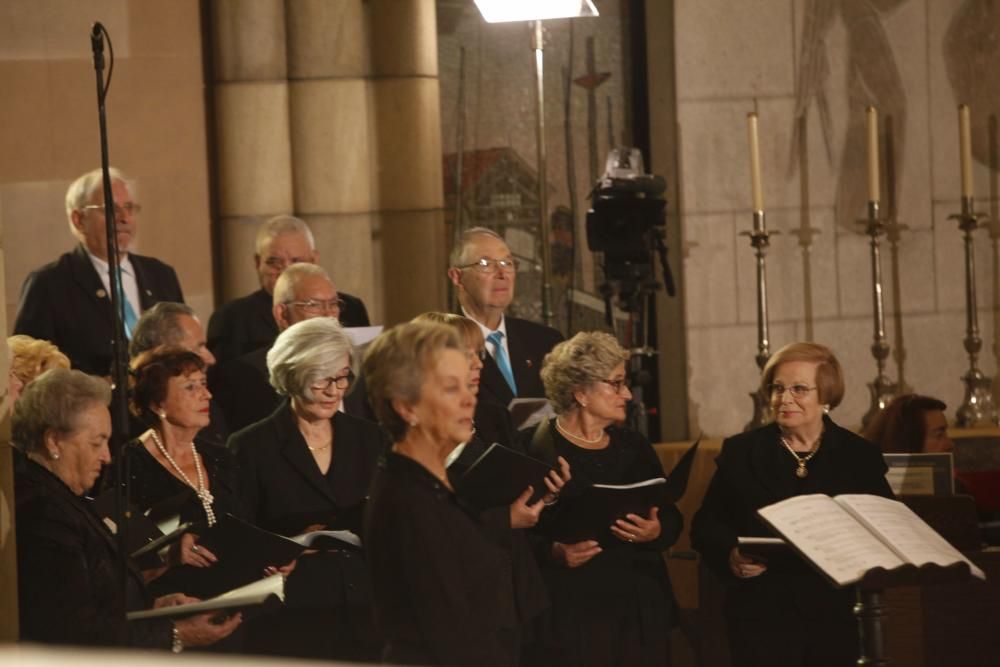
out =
column 847, row 536
column 255, row 593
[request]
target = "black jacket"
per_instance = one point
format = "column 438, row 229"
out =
column 439, row 596
column 66, row 303
column 69, row 573
column 754, row 470
column 528, row 343
column 247, row 323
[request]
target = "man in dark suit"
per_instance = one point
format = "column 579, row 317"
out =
column 242, row 389
column 483, row 272
column 246, row 324
column 66, row 302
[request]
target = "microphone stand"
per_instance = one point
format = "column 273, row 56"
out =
column 119, row 356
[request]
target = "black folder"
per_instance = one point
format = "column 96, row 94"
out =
column 590, row 515
column 243, row 550
column 500, row 475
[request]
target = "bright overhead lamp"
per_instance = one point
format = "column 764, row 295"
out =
column 501, row 11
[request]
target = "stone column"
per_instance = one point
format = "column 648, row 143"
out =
column 253, row 145
column 333, row 139
column 408, row 134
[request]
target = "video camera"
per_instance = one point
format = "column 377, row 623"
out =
column 627, row 221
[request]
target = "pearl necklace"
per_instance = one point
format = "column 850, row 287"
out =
column 203, row 493
column 562, row 429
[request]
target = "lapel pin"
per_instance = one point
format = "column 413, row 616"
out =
column 149, row 292
column 101, row 294
column 529, row 363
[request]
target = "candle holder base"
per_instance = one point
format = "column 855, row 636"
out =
column 761, row 411
column 882, row 392
column 978, row 408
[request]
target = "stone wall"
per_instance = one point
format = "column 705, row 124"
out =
column 810, row 67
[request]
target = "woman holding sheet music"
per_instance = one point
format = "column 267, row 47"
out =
column 307, row 467
column 70, row 575
column 781, row 612
column 612, row 602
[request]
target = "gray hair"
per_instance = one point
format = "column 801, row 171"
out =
column 158, row 326
column 577, row 363
column 458, row 254
column 282, row 224
column 305, row 353
column 284, row 289
column 54, row 401
column 82, row 190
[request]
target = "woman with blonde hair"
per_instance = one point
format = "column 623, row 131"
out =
column 784, row 613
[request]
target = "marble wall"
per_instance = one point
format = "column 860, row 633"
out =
column 809, row 67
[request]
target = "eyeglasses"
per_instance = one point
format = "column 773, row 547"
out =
column 796, row 390
column 487, row 265
column 480, row 354
column 127, row 209
column 281, row 263
column 319, row 306
column 340, row 382
column 616, row 385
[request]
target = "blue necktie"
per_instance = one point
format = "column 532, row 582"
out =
column 130, row 318
column 500, row 356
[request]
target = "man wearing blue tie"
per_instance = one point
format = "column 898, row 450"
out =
column 484, row 271
column 66, row 302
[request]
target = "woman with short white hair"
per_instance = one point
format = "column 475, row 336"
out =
column 307, row 467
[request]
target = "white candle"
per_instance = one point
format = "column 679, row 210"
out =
column 756, row 192
column 873, row 179
column 965, row 149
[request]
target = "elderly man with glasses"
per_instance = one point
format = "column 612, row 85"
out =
column 246, row 324
column 67, row 302
column 303, row 291
column 484, row 271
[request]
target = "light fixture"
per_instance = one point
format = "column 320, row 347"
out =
column 501, row 11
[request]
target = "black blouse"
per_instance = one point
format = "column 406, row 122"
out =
column 438, row 597
column 69, row 573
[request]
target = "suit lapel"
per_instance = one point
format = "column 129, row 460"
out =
column 493, row 382
column 519, row 358
column 85, row 275
column 296, row 452
column 773, row 474
column 142, row 281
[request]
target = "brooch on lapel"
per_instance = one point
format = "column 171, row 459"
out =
column 101, row 294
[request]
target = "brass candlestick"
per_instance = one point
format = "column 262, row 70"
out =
column 759, row 241
column 978, row 406
column 882, row 389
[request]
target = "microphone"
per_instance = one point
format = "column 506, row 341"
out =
column 97, row 45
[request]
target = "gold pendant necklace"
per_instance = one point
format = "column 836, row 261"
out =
column 801, row 471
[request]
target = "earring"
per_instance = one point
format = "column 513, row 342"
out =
column 826, row 409
column 163, row 414
column 413, row 422
column 54, row 454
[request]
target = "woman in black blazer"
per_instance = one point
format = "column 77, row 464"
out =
column 307, row 467
column 783, row 613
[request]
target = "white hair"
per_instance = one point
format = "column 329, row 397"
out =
column 284, row 288
column 82, row 190
column 458, row 253
column 282, row 224
column 305, row 353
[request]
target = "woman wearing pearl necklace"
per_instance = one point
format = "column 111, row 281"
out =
column 783, row 613
column 612, row 602
column 171, row 395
